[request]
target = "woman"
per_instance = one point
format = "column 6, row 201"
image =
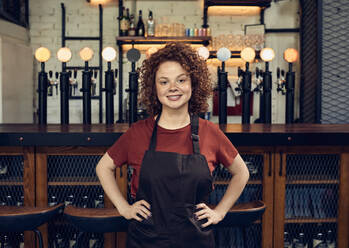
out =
column 173, row 153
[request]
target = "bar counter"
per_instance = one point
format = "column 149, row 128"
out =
column 239, row 134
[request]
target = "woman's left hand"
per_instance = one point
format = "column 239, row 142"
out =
column 212, row 215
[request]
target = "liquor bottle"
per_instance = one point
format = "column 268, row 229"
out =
column 99, row 202
column 319, row 241
column 6, row 242
column 124, row 23
column 300, row 241
column 84, row 201
column 59, row 241
column 330, row 239
column 287, row 240
column 132, row 28
column 140, row 30
column 69, row 200
column 150, row 25
column 21, row 240
column 72, row 241
column 53, row 201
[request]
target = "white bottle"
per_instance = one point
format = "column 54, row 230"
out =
column 150, row 24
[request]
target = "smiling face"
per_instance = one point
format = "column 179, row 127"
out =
column 173, row 86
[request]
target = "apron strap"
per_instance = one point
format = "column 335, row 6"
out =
column 152, row 144
column 194, row 122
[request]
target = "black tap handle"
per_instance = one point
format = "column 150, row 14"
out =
column 95, row 74
column 75, row 73
column 50, row 73
column 56, row 85
column 57, row 74
column 257, row 72
column 278, row 72
column 283, row 73
column 70, row 73
column 239, row 72
column 91, row 72
column 116, row 73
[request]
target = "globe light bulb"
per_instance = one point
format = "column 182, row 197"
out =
column 248, row 54
column 291, row 55
column 86, row 53
column 223, row 54
column 267, row 54
column 203, row 52
column 64, row 54
column 42, row 54
column 108, row 54
column 151, row 51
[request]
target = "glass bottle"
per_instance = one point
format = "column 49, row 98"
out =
column 124, row 23
column 21, row 240
column 53, row 201
column 99, row 202
column 300, row 241
column 330, row 239
column 132, row 29
column 140, row 30
column 6, row 242
column 84, row 201
column 318, row 241
column 151, row 25
column 287, row 240
column 69, row 200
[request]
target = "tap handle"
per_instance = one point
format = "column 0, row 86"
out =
column 50, row 73
column 95, row 74
column 278, row 73
column 75, row 73
column 57, row 74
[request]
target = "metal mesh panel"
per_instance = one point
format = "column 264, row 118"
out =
column 64, row 172
column 311, row 199
column 11, row 168
column 335, row 62
column 233, row 237
column 72, row 168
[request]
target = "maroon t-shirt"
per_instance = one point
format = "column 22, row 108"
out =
column 131, row 146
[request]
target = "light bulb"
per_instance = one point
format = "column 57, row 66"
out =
column 267, row 54
column 203, row 52
column 223, row 54
column 42, row 54
column 64, row 54
column 291, row 55
column 108, row 54
column 248, row 54
column 86, row 53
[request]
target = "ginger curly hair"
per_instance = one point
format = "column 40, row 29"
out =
column 191, row 62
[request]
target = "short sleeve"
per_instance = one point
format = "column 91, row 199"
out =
column 119, row 150
column 226, row 152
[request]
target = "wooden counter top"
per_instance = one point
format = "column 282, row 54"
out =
column 240, row 135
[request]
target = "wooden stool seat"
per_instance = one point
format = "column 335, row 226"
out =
column 20, row 219
column 96, row 220
column 243, row 214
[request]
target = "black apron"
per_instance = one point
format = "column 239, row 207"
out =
column 172, row 184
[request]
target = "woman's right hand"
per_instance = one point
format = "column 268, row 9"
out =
column 137, row 209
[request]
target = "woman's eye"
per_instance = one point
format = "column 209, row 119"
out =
column 182, row 80
column 163, row 82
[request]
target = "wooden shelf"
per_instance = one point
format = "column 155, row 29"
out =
column 334, row 181
column 311, row 220
column 259, row 3
column 161, row 40
column 252, row 182
column 11, row 183
column 73, row 183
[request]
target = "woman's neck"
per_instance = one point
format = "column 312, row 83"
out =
column 174, row 119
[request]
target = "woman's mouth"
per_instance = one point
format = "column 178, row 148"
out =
column 173, row 98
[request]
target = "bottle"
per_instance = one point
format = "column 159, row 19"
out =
column 53, row 201
column 287, row 240
column 6, row 242
column 330, row 239
column 99, row 202
column 72, row 241
column 151, row 25
column 318, row 241
column 21, row 240
column 59, row 241
column 69, row 200
column 300, row 241
column 140, row 30
column 84, row 201
column 124, row 23
column 132, row 28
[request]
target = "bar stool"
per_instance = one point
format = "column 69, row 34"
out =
column 20, row 219
column 243, row 215
column 95, row 220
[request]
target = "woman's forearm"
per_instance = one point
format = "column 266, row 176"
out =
column 236, row 185
column 106, row 173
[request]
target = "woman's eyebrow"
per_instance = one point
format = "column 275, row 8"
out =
column 163, row 77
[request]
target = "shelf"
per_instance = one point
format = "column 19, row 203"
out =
column 11, row 183
column 161, row 40
column 259, row 3
column 73, row 183
column 327, row 220
column 251, row 182
column 333, row 181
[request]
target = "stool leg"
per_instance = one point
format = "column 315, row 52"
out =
column 244, row 235
column 38, row 233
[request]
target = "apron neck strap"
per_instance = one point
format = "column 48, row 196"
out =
column 194, row 123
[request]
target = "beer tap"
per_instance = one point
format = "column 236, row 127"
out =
column 248, row 55
column 56, row 82
column 42, row 54
column 280, row 76
column 109, row 54
column 94, row 82
column 258, row 81
column 64, row 55
column 50, row 84
column 115, row 80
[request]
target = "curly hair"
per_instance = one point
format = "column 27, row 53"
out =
column 191, row 62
